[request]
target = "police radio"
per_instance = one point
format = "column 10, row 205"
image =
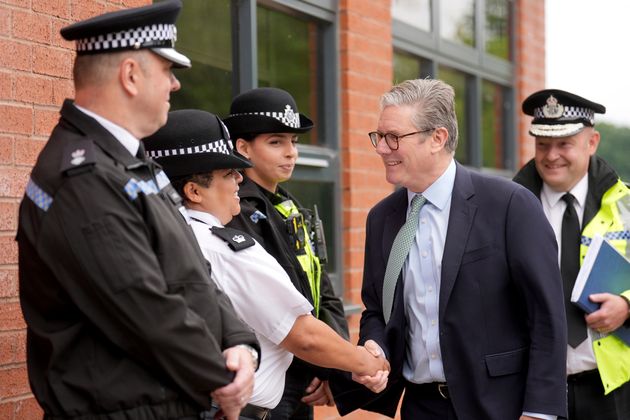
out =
column 320, row 238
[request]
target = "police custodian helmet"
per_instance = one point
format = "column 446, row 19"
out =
column 192, row 142
column 265, row 110
column 560, row 114
column 151, row 26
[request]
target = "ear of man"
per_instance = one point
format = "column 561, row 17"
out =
column 438, row 139
column 130, row 72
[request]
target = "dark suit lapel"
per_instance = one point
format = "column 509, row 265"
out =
column 459, row 224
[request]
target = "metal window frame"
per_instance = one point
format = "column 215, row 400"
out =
column 316, row 162
column 477, row 65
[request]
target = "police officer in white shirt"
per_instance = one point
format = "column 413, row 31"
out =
column 196, row 153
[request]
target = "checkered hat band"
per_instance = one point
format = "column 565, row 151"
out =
column 290, row 119
column 570, row 112
column 156, row 35
column 219, row 146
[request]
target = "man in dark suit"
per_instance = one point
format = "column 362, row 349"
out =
column 467, row 310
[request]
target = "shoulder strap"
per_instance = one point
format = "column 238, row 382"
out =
column 235, row 239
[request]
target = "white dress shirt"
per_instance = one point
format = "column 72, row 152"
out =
column 581, row 358
column 262, row 295
column 128, row 140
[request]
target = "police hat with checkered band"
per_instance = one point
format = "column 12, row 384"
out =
column 193, row 142
column 560, row 114
column 265, row 110
column 151, row 26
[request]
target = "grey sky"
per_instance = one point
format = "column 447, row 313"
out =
column 587, row 52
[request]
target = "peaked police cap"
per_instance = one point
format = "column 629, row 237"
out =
column 558, row 113
column 151, row 26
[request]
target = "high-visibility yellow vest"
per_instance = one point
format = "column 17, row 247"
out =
column 612, row 221
column 303, row 247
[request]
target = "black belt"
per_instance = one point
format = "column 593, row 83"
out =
column 432, row 389
column 583, row 376
column 255, row 412
column 248, row 412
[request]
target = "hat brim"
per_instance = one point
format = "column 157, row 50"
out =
column 179, row 60
column 178, row 166
column 260, row 124
column 556, row 130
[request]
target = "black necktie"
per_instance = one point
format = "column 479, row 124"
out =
column 140, row 153
column 569, row 267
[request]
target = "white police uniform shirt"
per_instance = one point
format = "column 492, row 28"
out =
column 581, row 358
column 263, row 297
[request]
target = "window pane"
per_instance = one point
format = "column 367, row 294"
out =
column 287, row 59
column 208, row 84
column 457, row 21
column 310, row 193
column 459, row 83
column 492, row 126
column 416, row 13
column 406, row 67
column 498, row 28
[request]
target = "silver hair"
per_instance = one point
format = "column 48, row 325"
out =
column 434, row 102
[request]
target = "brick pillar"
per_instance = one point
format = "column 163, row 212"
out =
column 365, row 56
column 35, row 78
column 529, row 62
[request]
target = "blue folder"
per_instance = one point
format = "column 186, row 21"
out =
column 604, row 270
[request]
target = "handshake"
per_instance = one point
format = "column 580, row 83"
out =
column 374, row 367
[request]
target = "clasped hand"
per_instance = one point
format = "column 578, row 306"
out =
column 378, row 368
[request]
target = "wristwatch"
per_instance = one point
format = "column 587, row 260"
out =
column 627, row 301
column 252, row 351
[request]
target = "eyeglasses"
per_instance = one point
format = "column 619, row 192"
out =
column 392, row 139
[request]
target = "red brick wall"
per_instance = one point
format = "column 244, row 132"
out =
column 529, row 65
column 35, row 77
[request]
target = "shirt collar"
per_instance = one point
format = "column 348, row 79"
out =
column 204, row 217
column 579, row 191
column 125, row 138
column 440, row 191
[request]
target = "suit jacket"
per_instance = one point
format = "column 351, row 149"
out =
column 501, row 317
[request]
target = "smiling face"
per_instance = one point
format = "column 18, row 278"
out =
column 219, row 196
column 414, row 164
column 155, row 87
column 273, row 156
column 562, row 162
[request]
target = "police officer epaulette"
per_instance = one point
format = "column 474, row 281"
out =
column 78, row 158
column 235, row 239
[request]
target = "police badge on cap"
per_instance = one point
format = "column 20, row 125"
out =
column 151, row 26
column 560, row 114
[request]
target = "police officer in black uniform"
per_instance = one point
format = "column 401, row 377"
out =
column 265, row 123
column 123, row 320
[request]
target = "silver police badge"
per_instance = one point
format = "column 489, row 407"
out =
column 553, row 109
column 238, row 238
column 78, row 156
column 290, row 117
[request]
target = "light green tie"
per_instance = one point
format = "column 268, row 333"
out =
column 398, row 254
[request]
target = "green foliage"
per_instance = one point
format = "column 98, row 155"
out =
column 614, row 147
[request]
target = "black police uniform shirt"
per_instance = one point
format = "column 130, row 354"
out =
column 121, row 313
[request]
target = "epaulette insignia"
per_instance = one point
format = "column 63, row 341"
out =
column 235, row 239
column 78, row 158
